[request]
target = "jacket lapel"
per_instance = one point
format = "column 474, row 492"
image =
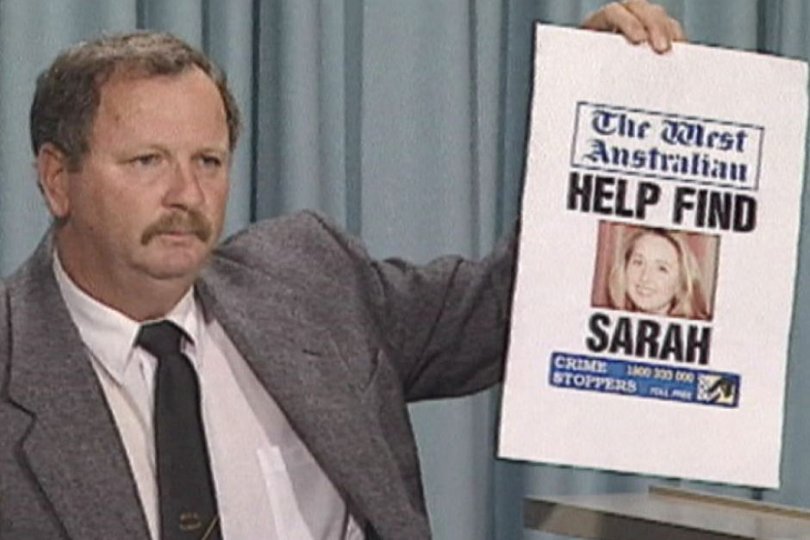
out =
column 299, row 365
column 72, row 447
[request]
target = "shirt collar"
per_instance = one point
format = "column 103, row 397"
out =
column 109, row 334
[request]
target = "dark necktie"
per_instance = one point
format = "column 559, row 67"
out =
column 188, row 506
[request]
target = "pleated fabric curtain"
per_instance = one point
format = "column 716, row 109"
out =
column 405, row 122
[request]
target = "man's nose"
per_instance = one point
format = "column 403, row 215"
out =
column 184, row 188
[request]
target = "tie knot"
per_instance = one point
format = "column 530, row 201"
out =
column 160, row 338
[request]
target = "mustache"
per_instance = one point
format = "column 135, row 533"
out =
column 185, row 222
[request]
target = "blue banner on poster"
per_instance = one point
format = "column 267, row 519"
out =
column 597, row 374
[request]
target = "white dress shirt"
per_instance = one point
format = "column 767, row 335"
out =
column 268, row 485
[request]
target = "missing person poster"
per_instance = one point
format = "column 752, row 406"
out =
column 657, row 259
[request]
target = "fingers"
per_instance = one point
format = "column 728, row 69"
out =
column 614, row 17
column 656, row 21
column 677, row 31
column 639, row 21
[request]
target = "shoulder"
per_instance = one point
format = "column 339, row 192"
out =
column 301, row 264
column 303, row 237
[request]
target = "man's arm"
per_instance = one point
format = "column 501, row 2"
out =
column 466, row 304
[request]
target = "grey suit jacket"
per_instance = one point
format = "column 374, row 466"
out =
column 340, row 341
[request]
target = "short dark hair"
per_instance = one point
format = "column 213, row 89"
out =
column 68, row 93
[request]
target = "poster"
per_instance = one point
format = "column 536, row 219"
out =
column 657, row 259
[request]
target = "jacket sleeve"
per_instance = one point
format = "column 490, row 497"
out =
column 439, row 328
column 444, row 324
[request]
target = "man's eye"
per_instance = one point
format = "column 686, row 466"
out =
column 146, row 160
column 211, row 161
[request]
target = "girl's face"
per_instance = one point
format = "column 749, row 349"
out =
column 653, row 274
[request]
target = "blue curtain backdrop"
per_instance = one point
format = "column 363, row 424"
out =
column 405, row 121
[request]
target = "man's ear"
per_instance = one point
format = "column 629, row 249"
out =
column 52, row 169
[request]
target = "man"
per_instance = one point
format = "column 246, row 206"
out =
column 152, row 386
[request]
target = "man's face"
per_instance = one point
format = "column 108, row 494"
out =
column 149, row 198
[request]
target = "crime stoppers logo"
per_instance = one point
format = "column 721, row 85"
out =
column 718, row 389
